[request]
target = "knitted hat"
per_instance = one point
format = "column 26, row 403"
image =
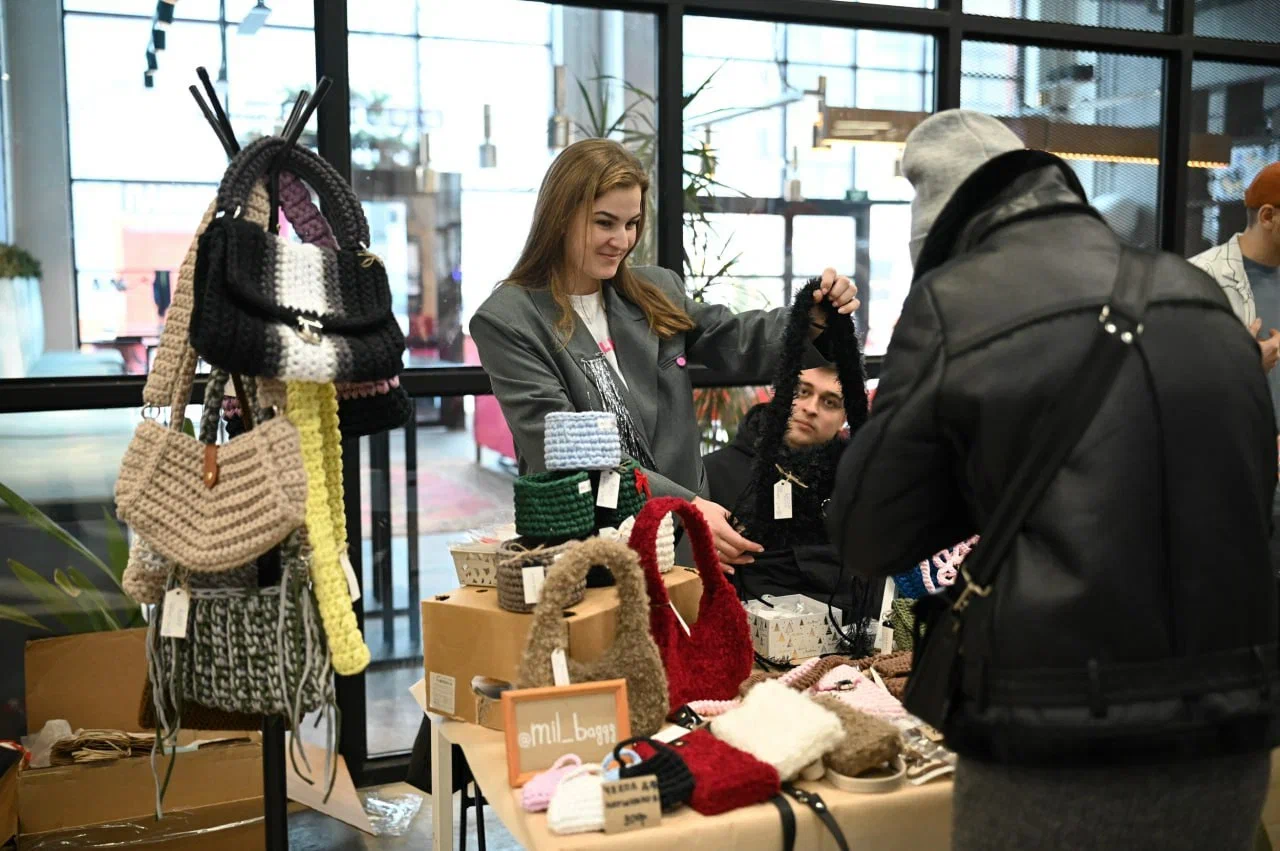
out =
column 940, row 153
column 1265, row 188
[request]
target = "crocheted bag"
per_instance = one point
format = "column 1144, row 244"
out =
column 934, row 574
column 724, row 778
column 675, row 782
column 208, row 507
column 633, row 655
column 868, row 741
column 536, row 794
column 519, row 554
column 578, row 803
column 268, row 307
column 716, row 654
column 781, row 727
column 555, row 505
column 633, row 493
column 811, row 470
column 581, row 440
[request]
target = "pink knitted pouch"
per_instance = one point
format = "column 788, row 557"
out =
column 536, row 794
column 856, row 689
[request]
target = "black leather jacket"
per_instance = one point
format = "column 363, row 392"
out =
column 1136, row 618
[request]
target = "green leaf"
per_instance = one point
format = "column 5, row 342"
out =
column 591, row 110
column 16, row 615
column 58, row 605
column 188, row 427
column 90, row 600
column 65, row 585
column 40, row 520
column 117, row 548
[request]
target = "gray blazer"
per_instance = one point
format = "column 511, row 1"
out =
column 533, row 373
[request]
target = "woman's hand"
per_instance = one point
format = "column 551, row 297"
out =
column 840, row 291
column 732, row 548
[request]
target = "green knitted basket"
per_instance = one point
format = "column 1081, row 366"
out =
column 631, row 499
column 555, row 505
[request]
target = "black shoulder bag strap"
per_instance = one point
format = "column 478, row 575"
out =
column 936, row 674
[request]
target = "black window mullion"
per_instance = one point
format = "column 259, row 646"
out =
column 670, row 187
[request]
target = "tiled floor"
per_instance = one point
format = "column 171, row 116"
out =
column 311, row 831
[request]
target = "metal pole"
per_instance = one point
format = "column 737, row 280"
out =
column 275, row 798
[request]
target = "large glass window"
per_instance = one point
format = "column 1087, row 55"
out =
column 1234, row 109
column 778, row 199
column 144, row 164
column 1250, row 20
column 452, row 105
column 1121, row 14
column 1100, row 111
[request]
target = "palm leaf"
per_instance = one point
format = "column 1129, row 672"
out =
column 58, row 605
column 591, row 110
column 13, row 614
column 41, row 521
column 117, row 548
column 90, row 600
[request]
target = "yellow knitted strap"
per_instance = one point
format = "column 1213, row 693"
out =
column 313, row 408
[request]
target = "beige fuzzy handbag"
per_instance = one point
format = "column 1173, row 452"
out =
column 632, row 657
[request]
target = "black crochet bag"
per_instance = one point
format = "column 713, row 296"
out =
column 265, row 306
column 810, row 470
column 675, row 781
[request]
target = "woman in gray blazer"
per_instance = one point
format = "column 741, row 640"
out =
column 575, row 328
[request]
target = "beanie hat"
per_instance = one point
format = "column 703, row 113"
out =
column 940, row 153
column 1265, row 188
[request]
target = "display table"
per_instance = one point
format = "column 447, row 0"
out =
column 911, row 818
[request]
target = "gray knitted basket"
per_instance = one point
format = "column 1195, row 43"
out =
column 513, row 557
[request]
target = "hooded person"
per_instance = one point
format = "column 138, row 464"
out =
column 1117, row 684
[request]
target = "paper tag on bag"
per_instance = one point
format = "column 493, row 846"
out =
column 174, row 622
column 670, row 733
column 631, row 804
column 353, row 584
column 607, row 497
column 533, row 577
column 782, row 500
column 559, row 667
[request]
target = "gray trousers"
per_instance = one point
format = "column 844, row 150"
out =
column 1204, row 805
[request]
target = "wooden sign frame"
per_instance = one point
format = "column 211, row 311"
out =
column 517, row 774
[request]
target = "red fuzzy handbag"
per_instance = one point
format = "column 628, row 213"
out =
column 716, row 655
column 724, row 778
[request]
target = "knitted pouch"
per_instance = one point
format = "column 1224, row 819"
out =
column 536, row 794
column 267, row 307
column 207, row 507
column 724, row 778
column 855, row 689
column 934, row 574
column 675, row 783
column 893, row 668
column 666, row 543
column 868, row 741
column 555, row 505
column 578, row 803
column 903, row 616
column 519, row 554
column 800, row 678
column 633, row 493
column 633, row 655
column 581, row 440
column 715, row 656
column 781, row 727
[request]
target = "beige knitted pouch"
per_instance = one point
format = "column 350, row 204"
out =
column 633, row 655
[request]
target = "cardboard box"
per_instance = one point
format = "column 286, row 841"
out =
column 793, row 629
column 235, row 825
column 95, row 681
column 466, row 635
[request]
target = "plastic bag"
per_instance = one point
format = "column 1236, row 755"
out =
column 390, row 815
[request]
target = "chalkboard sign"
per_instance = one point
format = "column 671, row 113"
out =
column 544, row 724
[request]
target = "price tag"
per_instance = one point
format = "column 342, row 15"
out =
column 782, row 500
column 353, row 584
column 670, row 733
column 533, row 577
column 584, row 486
column 631, row 804
column 607, row 497
column 173, row 623
column 559, row 667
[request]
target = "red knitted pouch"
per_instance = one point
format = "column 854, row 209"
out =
column 716, row 656
column 724, row 778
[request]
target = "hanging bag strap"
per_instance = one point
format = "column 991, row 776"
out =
column 814, row 801
column 644, row 540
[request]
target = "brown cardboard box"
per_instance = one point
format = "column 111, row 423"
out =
column 235, row 825
column 465, row 635
column 95, row 681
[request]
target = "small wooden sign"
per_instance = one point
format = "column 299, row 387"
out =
column 544, row 724
column 631, row 804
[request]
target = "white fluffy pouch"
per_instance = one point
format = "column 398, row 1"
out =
column 578, row 803
column 781, row 727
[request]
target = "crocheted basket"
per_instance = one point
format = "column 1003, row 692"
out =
column 555, row 505
column 516, row 555
column 581, row 440
column 633, row 493
column 932, row 575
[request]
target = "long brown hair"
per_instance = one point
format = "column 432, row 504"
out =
column 582, row 173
